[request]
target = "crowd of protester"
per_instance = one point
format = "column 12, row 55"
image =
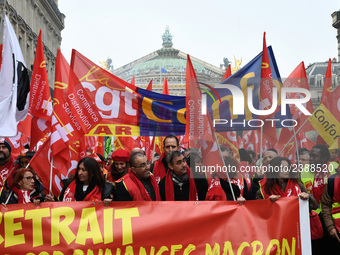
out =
column 129, row 176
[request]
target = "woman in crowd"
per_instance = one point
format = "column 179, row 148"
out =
column 86, row 185
column 24, row 189
column 281, row 181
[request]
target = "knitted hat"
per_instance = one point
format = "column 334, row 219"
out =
column 7, row 144
column 121, row 155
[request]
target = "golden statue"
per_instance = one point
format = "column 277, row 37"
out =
column 237, row 66
column 107, row 64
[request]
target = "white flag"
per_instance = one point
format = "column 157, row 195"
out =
column 14, row 84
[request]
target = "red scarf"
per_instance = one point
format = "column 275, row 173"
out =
column 6, row 171
column 142, row 189
column 320, row 180
column 69, row 194
column 292, row 189
column 215, row 191
column 169, row 187
column 23, row 195
column 159, row 169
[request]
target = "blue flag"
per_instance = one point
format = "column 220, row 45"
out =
column 248, row 76
column 163, row 70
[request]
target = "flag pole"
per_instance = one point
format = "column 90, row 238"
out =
column 51, row 176
column 293, row 136
column 153, row 150
column 297, row 147
column 219, row 149
column 261, row 135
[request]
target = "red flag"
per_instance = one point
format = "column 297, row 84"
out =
column 230, row 140
column 266, row 94
column 157, row 144
column 290, row 150
column 165, row 87
column 133, row 80
column 40, row 98
column 149, row 86
column 74, row 113
column 227, row 73
column 327, row 90
column 327, row 86
column 304, row 142
column 127, row 142
column 251, row 141
column 41, row 163
column 99, row 148
column 199, row 129
column 146, row 144
column 298, row 79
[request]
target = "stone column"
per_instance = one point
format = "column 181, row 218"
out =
column 336, row 25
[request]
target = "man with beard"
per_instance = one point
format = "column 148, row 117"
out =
column 6, row 161
column 160, row 167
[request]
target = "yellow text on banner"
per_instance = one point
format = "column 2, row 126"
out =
column 325, row 124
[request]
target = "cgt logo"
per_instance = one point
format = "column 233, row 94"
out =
column 238, row 100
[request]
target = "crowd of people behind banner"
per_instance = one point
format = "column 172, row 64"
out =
column 129, row 176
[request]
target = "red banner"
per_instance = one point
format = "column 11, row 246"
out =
column 207, row 227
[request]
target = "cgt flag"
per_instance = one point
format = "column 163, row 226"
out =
column 325, row 119
column 40, row 97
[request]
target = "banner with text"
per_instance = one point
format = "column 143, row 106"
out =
column 211, row 227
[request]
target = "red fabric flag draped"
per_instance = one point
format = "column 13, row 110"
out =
column 40, row 98
column 327, row 90
column 127, row 142
column 230, row 140
column 74, row 113
column 62, row 167
column 327, row 86
column 149, row 86
column 165, row 87
column 251, row 141
column 199, row 129
column 266, row 94
column 298, row 79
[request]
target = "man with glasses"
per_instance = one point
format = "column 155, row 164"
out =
column 138, row 184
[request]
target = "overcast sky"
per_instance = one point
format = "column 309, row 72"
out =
column 298, row 30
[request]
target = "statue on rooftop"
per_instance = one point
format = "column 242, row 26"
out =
column 237, row 66
column 107, row 64
column 167, row 38
column 226, row 62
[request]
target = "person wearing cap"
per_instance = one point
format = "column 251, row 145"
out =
column 120, row 165
column 23, row 160
column 6, row 161
column 138, row 184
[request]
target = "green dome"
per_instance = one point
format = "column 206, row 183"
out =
column 169, row 64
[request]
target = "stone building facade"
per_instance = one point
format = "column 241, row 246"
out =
column 28, row 17
column 316, row 73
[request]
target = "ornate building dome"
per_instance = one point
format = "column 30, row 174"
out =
column 170, row 63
